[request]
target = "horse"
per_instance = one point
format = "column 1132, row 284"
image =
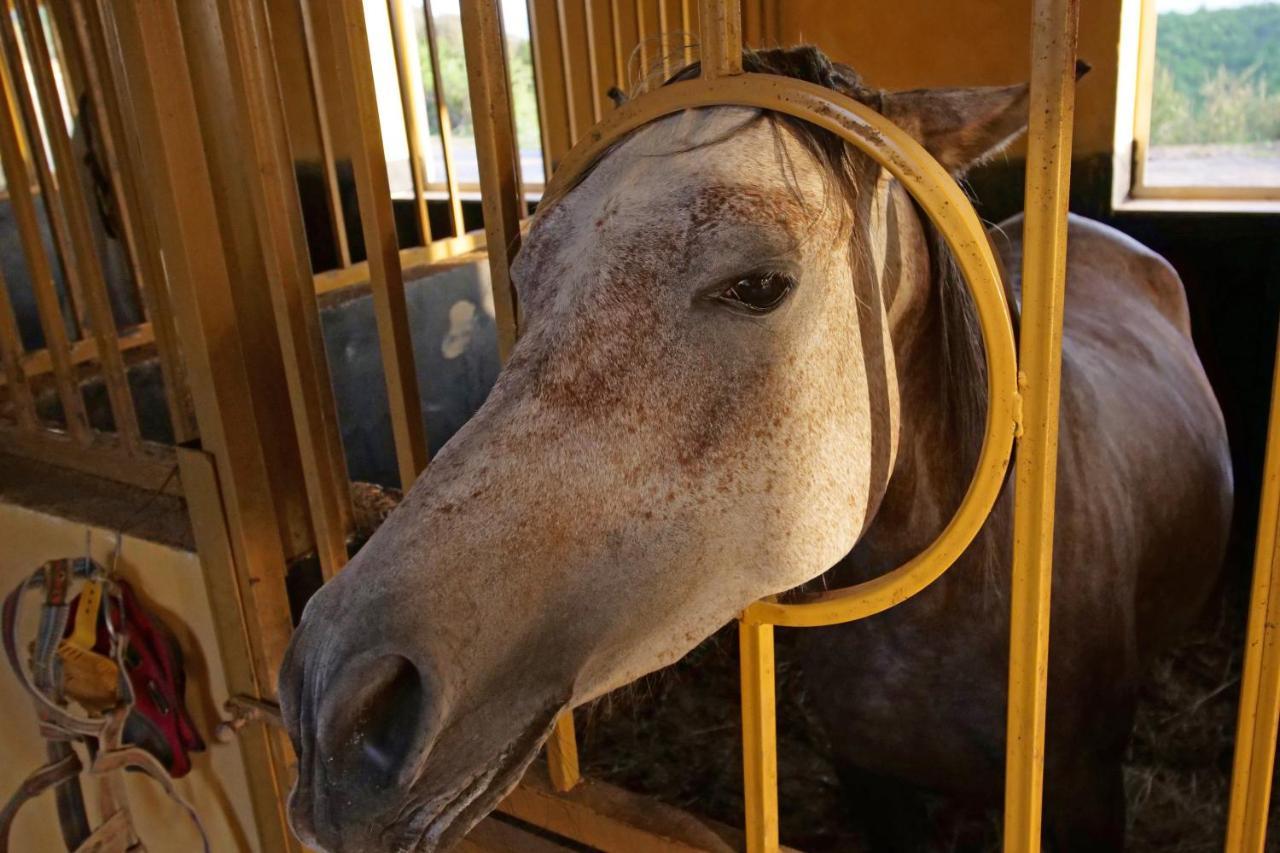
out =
column 748, row 361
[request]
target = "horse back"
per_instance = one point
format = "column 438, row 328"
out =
column 1144, row 464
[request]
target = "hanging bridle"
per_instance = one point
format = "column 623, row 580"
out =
column 46, row 677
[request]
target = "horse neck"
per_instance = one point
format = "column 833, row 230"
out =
column 930, row 472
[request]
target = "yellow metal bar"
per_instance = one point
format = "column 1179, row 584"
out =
column 161, row 102
column 759, row 737
column 446, row 131
column 38, row 362
column 346, row 29
column 541, row 86
column 1044, row 262
column 404, row 42
column 642, row 42
column 139, row 230
column 259, row 743
column 619, row 63
column 566, row 68
column 562, row 754
column 13, row 154
column 721, row 25
column 1255, row 746
column 664, row 38
column 333, row 194
column 593, row 69
column 496, row 151
column 686, row 32
column 38, row 155
column 482, row 34
column 11, row 363
column 256, row 87
column 76, row 211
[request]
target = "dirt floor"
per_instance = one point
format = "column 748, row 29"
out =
column 676, row 736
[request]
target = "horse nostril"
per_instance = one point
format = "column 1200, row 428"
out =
column 377, row 722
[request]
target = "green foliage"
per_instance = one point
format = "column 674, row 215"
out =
column 1217, row 77
column 453, row 71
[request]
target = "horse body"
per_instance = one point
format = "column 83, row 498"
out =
column 745, row 359
column 1143, row 506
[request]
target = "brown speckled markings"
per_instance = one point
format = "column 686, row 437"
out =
column 652, row 460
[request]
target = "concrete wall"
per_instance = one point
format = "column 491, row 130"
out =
column 169, row 580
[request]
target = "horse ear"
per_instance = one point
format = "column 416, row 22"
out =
column 960, row 127
column 963, row 127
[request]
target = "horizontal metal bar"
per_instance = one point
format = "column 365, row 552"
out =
column 39, row 362
column 104, row 456
column 417, row 261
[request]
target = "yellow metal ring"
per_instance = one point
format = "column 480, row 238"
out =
column 940, row 196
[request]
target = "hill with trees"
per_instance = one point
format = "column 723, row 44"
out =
column 1217, row 76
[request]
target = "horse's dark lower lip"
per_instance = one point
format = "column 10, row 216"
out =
column 475, row 800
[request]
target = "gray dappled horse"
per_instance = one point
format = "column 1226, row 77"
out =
column 748, row 358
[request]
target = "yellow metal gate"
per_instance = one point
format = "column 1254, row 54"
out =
column 214, row 214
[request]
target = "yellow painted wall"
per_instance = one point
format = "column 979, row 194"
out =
column 912, row 43
column 169, row 580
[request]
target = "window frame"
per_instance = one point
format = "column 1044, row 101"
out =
column 1133, row 134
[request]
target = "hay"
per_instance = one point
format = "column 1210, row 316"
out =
column 676, row 737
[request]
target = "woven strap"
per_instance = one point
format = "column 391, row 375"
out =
column 54, row 773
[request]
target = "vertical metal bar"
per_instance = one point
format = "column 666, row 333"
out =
column 36, row 153
column 140, row 239
column 496, row 151
column 256, row 86
column 162, row 109
column 1053, row 59
column 70, row 62
column 346, row 28
column 18, row 181
column 70, row 48
column 404, row 46
column 592, row 60
column 11, row 362
column 721, row 43
column 759, row 737
column 540, row 85
column 333, row 193
column 1255, row 746
column 232, row 607
column 619, row 61
column 562, row 754
column 664, row 38
column 566, row 65
column 446, row 131
column 686, row 32
column 77, row 214
column 642, row 46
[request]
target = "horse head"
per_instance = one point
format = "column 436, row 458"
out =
column 702, row 410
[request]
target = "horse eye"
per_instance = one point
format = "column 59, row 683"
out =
column 758, row 293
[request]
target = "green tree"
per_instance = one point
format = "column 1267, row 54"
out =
column 453, row 73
